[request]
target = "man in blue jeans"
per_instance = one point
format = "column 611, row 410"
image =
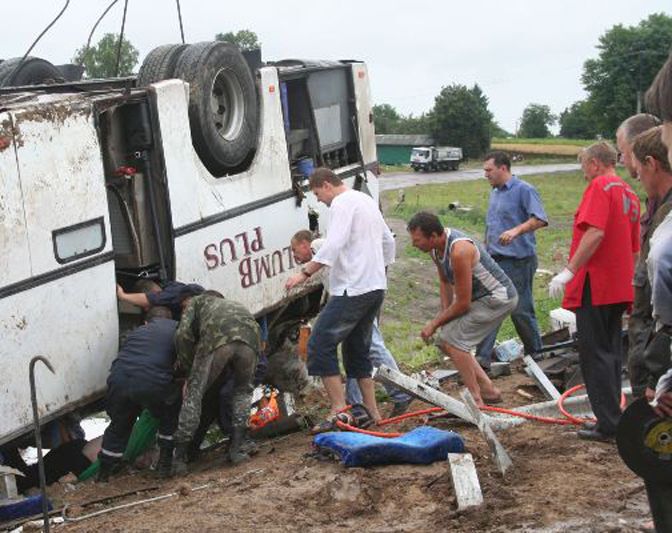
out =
column 515, row 212
column 358, row 247
column 304, row 247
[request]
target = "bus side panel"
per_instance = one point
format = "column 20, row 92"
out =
column 61, row 177
column 71, row 321
column 367, row 136
column 14, row 254
column 194, row 193
column 64, row 307
column 248, row 257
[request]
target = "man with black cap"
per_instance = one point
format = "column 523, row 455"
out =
column 149, row 293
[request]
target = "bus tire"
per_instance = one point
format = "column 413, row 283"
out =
column 223, row 111
column 32, row 71
column 160, row 64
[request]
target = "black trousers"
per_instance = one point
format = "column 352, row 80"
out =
column 125, row 400
column 660, row 501
column 58, row 462
column 600, row 356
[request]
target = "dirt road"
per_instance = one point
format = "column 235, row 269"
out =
column 404, row 180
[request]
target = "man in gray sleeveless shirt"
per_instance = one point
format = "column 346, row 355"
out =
column 476, row 296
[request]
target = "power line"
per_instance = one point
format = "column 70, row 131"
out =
column 121, row 39
column 88, row 41
column 18, row 65
column 179, row 16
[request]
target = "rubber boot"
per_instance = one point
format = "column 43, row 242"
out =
column 108, row 466
column 237, row 452
column 240, row 412
column 249, row 446
column 180, row 459
column 164, row 466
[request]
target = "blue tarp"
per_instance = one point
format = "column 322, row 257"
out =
column 423, row 445
column 25, row 507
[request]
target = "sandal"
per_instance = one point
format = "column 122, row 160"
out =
column 329, row 424
column 323, row 427
column 361, row 417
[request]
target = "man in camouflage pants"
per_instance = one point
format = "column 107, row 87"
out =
column 214, row 334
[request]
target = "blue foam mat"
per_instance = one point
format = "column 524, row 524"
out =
column 423, row 445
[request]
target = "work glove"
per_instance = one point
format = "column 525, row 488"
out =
column 556, row 288
column 664, row 385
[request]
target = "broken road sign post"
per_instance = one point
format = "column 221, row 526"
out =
column 465, row 480
column 502, row 459
column 541, row 379
column 424, row 392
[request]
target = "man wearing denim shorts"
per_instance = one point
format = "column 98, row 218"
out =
column 358, row 247
column 304, row 247
column 476, row 296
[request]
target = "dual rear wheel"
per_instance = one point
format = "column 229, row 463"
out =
column 223, row 110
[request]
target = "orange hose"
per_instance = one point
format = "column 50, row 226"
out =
column 399, row 418
column 572, row 418
column 561, row 406
column 528, row 416
column 348, row 427
column 567, row 421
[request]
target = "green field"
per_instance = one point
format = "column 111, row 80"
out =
column 550, row 147
column 560, row 194
column 546, row 140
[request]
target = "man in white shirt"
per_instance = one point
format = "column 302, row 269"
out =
column 358, row 247
column 304, row 247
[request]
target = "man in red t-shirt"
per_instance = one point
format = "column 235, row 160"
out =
column 597, row 282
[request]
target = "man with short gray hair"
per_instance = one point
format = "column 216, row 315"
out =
column 598, row 280
column 625, row 136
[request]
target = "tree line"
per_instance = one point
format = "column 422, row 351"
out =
column 100, row 60
column 628, row 60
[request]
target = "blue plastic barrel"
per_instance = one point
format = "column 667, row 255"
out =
column 305, row 166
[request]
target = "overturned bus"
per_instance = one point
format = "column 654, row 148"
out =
column 195, row 170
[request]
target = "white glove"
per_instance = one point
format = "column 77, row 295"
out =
column 556, row 288
column 664, row 385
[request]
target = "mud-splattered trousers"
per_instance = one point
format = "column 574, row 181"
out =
column 206, row 371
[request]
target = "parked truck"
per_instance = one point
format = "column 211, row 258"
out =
column 433, row 158
column 194, row 171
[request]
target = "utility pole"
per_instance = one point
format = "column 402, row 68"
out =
column 639, row 82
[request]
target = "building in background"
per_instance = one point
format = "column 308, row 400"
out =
column 395, row 149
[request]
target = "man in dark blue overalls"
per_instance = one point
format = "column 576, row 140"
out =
column 141, row 377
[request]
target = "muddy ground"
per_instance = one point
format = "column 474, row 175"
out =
column 557, row 482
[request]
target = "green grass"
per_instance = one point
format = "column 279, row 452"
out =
column 560, row 193
column 547, row 140
column 387, row 169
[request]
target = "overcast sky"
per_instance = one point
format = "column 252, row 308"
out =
column 518, row 51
